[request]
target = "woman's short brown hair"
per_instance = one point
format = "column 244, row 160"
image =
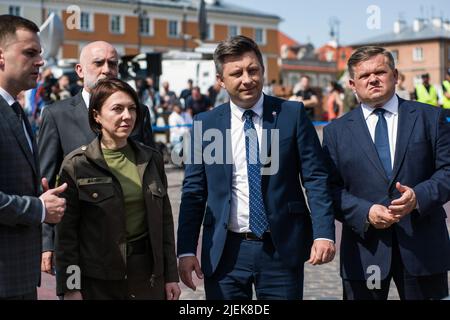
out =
column 102, row 91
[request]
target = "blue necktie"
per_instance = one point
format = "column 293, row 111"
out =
column 258, row 218
column 382, row 142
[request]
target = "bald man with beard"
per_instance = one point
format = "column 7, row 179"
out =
column 65, row 124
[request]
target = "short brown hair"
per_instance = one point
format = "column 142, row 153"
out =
column 102, row 91
column 365, row 53
column 235, row 46
column 9, row 24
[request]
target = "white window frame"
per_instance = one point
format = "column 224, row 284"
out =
column 150, row 26
column 90, row 20
column 210, row 35
column 120, row 20
column 15, row 8
column 395, row 54
column 178, row 27
column 418, row 54
column 263, row 36
column 238, row 30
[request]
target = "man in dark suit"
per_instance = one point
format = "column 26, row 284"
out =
column 65, row 124
column 392, row 163
column 257, row 227
column 22, row 211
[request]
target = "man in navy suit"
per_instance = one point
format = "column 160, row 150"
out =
column 392, row 163
column 257, row 227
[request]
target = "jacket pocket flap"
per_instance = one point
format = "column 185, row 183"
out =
column 96, row 192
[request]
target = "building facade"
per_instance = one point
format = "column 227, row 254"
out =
column 152, row 25
column 423, row 47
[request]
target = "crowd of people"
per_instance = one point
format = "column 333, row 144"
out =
column 89, row 197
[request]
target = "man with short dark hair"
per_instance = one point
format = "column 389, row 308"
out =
column 257, row 227
column 21, row 210
column 391, row 165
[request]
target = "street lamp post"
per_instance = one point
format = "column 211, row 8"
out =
column 138, row 11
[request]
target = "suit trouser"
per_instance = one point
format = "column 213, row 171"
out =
column 27, row 296
column 409, row 287
column 248, row 263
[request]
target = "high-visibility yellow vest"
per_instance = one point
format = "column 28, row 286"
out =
column 424, row 96
column 446, row 100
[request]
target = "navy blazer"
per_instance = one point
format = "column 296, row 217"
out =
column 207, row 188
column 422, row 162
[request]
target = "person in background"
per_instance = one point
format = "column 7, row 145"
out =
column 197, row 102
column 335, row 106
column 446, row 92
column 426, row 92
column 400, row 90
column 118, row 226
column 307, row 96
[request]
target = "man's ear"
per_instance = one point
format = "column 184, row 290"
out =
column 219, row 78
column 2, row 58
column 79, row 70
column 351, row 84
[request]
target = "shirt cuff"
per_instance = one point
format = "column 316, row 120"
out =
column 324, row 239
column 186, row 255
column 43, row 210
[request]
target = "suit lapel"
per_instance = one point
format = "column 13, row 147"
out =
column 407, row 116
column 80, row 117
column 357, row 125
column 271, row 112
column 19, row 133
column 224, row 125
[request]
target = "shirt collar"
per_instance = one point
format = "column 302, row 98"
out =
column 5, row 95
column 239, row 112
column 391, row 106
column 86, row 96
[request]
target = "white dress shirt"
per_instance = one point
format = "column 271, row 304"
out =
column 10, row 100
column 391, row 116
column 86, row 97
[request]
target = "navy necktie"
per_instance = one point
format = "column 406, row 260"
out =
column 382, row 142
column 22, row 117
column 258, row 218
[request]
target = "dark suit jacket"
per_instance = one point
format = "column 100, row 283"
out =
column 422, row 162
column 20, row 209
column 292, row 225
column 65, row 127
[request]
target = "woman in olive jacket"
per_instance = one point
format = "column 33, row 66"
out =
column 116, row 239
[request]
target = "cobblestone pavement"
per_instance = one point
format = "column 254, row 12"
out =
column 321, row 282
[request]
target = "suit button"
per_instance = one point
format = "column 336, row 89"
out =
column 83, row 148
column 95, row 195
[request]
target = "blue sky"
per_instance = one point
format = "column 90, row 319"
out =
column 306, row 20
